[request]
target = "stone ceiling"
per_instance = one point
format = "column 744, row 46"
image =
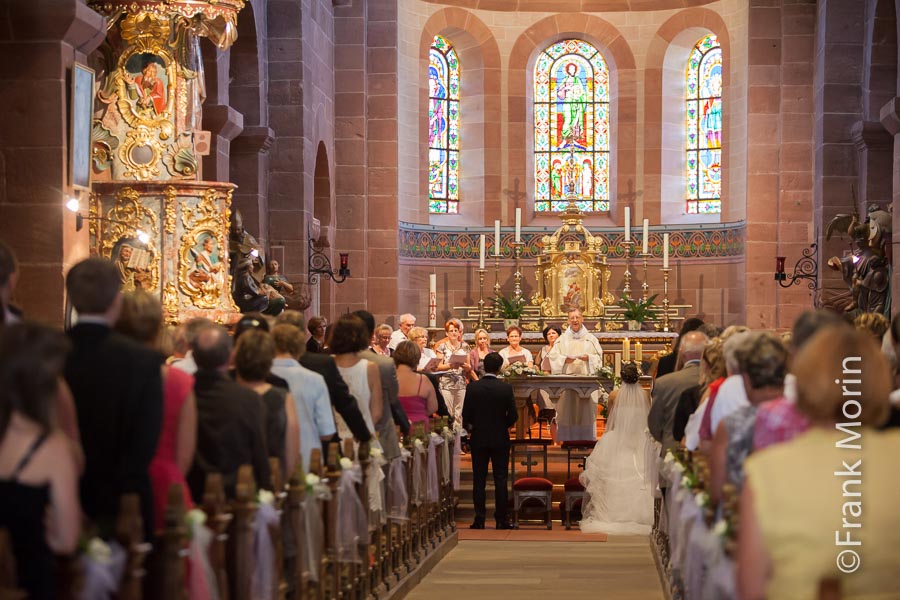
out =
column 572, row 5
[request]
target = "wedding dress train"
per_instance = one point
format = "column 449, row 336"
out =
column 619, row 476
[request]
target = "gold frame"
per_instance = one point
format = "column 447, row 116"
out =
column 124, row 220
column 204, row 218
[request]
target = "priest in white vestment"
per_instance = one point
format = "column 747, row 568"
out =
column 576, row 352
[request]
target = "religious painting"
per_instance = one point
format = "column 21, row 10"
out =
column 443, row 127
column 133, row 260
column 82, row 113
column 572, row 286
column 571, row 118
column 206, row 265
column 146, row 84
column 703, row 159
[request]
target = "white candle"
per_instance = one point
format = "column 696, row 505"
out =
column 638, row 352
column 497, row 237
column 665, row 251
column 518, row 225
column 627, row 223
column 626, row 350
column 432, row 300
column 646, row 236
column 618, row 364
column 481, row 254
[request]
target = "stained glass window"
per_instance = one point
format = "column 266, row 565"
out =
column 443, row 128
column 704, row 127
column 571, row 120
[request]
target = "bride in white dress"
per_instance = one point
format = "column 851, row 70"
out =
column 620, row 474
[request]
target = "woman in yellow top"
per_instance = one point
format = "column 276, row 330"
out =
column 796, row 507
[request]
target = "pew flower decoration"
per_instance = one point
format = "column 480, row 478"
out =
column 346, row 463
column 375, row 452
column 98, row 551
column 419, row 444
column 722, row 529
column 312, row 480
column 702, row 499
column 669, row 459
column 265, row 497
column 194, row 517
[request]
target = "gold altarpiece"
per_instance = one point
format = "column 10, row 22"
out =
column 571, row 270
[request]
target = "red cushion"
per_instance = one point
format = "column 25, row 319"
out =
column 533, row 484
column 573, row 485
column 579, row 444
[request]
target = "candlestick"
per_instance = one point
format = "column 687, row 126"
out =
column 665, row 272
column 645, row 286
column 626, row 350
column 432, row 300
column 481, row 254
column 638, row 352
column 497, row 237
column 481, row 272
column 665, row 251
column 646, row 241
column 618, row 364
column 517, row 251
column 627, row 223
column 518, row 225
column 496, row 275
column 626, row 291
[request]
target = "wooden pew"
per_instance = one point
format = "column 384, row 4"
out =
column 330, row 575
column 129, row 533
column 241, row 561
column 218, row 519
column 166, row 564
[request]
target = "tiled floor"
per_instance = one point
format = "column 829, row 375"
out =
column 621, row 569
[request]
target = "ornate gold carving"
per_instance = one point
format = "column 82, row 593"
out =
column 93, row 222
column 170, row 302
column 141, row 168
column 613, row 326
column 202, row 271
column 126, row 217
column 169, row 209
column 140, row 107
column 533, row 326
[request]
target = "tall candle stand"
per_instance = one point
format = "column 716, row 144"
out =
column 645, row 286
column 496, row 283
column 665, row 272
column 481, row 324
column 626, row 291
column 517, row 252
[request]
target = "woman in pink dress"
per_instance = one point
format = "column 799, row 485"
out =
column 141, row 320
column 416, row 394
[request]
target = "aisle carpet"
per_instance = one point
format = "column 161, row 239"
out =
column 530, row 534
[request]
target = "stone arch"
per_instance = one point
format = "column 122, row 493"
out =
column 247, row 94
column 322, row 187
column 480, row 153
column 663, row 110
column 623, row 104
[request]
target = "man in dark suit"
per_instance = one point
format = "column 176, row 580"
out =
column 230, row 419
column 117, row 387
column 666, row 364
column 489, row 410
column 667, row 390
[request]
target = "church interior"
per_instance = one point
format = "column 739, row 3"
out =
column 477, row 165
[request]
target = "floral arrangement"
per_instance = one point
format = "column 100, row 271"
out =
column 520, row 369
column 606, row 373
column 265, row 497
column 346, row 463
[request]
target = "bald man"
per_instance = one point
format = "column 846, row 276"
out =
column 667, row 390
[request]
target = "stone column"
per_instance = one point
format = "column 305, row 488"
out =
column 39, row 42
column 890, row 118
column 874, row 147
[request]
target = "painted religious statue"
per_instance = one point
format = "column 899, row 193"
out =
column 866, row 268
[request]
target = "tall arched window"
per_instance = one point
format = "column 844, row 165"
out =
column 443, row 128
column 571, row 113
column 704, row 127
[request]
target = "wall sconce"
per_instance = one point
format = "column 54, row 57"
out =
column 807, row 267
column 73, row 205
column 320, row 264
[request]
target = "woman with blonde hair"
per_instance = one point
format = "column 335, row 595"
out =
column 476, row 356
column 812, row 476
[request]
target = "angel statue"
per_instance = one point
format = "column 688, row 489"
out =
column 866, row 269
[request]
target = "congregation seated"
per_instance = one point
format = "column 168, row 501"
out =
column 141, row 320
column 690, row 409
column 730, row 394
column 230, row 418
column 803, row 480
column 186, row 361
column 39, row 504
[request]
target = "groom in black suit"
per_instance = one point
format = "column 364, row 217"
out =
column 489, row 410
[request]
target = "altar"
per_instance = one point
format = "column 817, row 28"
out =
column 555, row 386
